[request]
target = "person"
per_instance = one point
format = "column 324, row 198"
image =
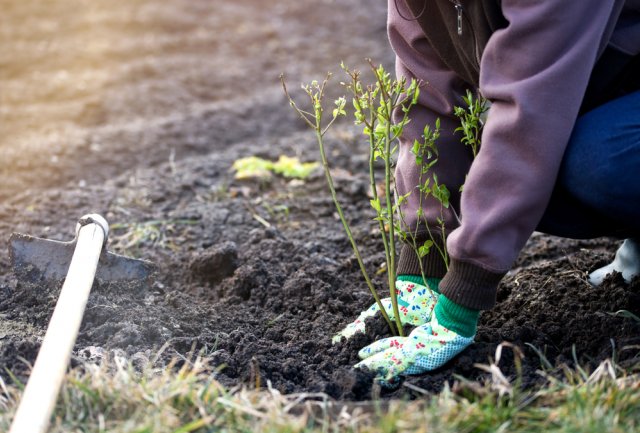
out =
column 560, row 153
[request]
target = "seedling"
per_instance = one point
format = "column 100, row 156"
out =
column 471, row 120
column 315, row 120
column 374, row 106
column 426, row 156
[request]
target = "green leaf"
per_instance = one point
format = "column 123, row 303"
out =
column 396, row 130
column 415, row 149
column 441, row 193
column 424, row 249
column 375, row 203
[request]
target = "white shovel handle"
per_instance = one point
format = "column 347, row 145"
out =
column 41, row 392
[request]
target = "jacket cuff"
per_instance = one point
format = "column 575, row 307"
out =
column 470, row 285
column 409, row 263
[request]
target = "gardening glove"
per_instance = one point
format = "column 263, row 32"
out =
column 626, row 261
column 427, row 348
column 415, row 304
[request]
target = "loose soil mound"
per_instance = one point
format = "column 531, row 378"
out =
column 257, row 275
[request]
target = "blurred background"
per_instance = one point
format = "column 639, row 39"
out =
column 91, row 88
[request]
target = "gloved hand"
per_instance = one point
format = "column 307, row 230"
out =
column 427, row 347
column 415, row 304
column 626, row 261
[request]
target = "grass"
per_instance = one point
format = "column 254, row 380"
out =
column 115, row 397
column 129, row 238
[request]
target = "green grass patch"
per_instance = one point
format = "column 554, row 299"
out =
column 253, row 167
column 115, row 397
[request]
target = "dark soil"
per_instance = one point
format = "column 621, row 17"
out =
column 137, row 110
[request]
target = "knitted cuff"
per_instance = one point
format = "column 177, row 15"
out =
column 470, row 285
column 462, row 320
column 409, row 263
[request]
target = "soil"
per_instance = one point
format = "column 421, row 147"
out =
column 136, row 110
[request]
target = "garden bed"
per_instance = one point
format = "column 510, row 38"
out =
column 254, row 275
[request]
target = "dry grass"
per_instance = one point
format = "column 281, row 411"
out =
column 115, row 397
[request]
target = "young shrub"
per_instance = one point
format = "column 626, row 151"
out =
column 315, row 120
column 374, row 105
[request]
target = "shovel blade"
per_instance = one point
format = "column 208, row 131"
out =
column 35, row 260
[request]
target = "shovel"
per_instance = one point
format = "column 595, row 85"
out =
column 42, row 261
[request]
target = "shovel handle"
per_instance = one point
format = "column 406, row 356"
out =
column 41, row 392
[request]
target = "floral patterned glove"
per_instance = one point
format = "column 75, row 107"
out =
column 427, row 347
column 415, row 304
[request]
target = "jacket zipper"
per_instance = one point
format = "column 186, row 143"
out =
column 461, row 16
column 459, row 9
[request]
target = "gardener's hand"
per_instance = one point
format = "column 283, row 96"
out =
column 427, row 347
column 415, row 305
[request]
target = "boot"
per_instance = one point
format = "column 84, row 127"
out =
column 627, row 262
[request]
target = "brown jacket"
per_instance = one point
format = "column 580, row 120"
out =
column 533, row 59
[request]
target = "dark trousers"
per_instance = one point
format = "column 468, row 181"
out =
column 597, row 192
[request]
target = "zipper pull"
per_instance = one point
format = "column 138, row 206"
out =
column 459, row 10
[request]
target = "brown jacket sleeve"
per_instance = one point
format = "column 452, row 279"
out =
column 535, row 72
column 441, row 90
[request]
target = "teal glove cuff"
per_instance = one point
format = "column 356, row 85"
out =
column 462, row 320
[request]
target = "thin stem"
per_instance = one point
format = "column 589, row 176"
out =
column 414, row 236
column 324, row 131
column 422, row 272
column 443, row 233
column 319, row 131
column 347, row 229
column 374, row 191
column 370, row 125
column 391, row 271
column 293, row 104
column 392, row 240
column 306, row 113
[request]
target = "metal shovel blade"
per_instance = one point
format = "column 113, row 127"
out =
column 36, row 260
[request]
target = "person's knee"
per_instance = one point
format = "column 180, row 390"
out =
column 602, row 160
column 582, row 172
